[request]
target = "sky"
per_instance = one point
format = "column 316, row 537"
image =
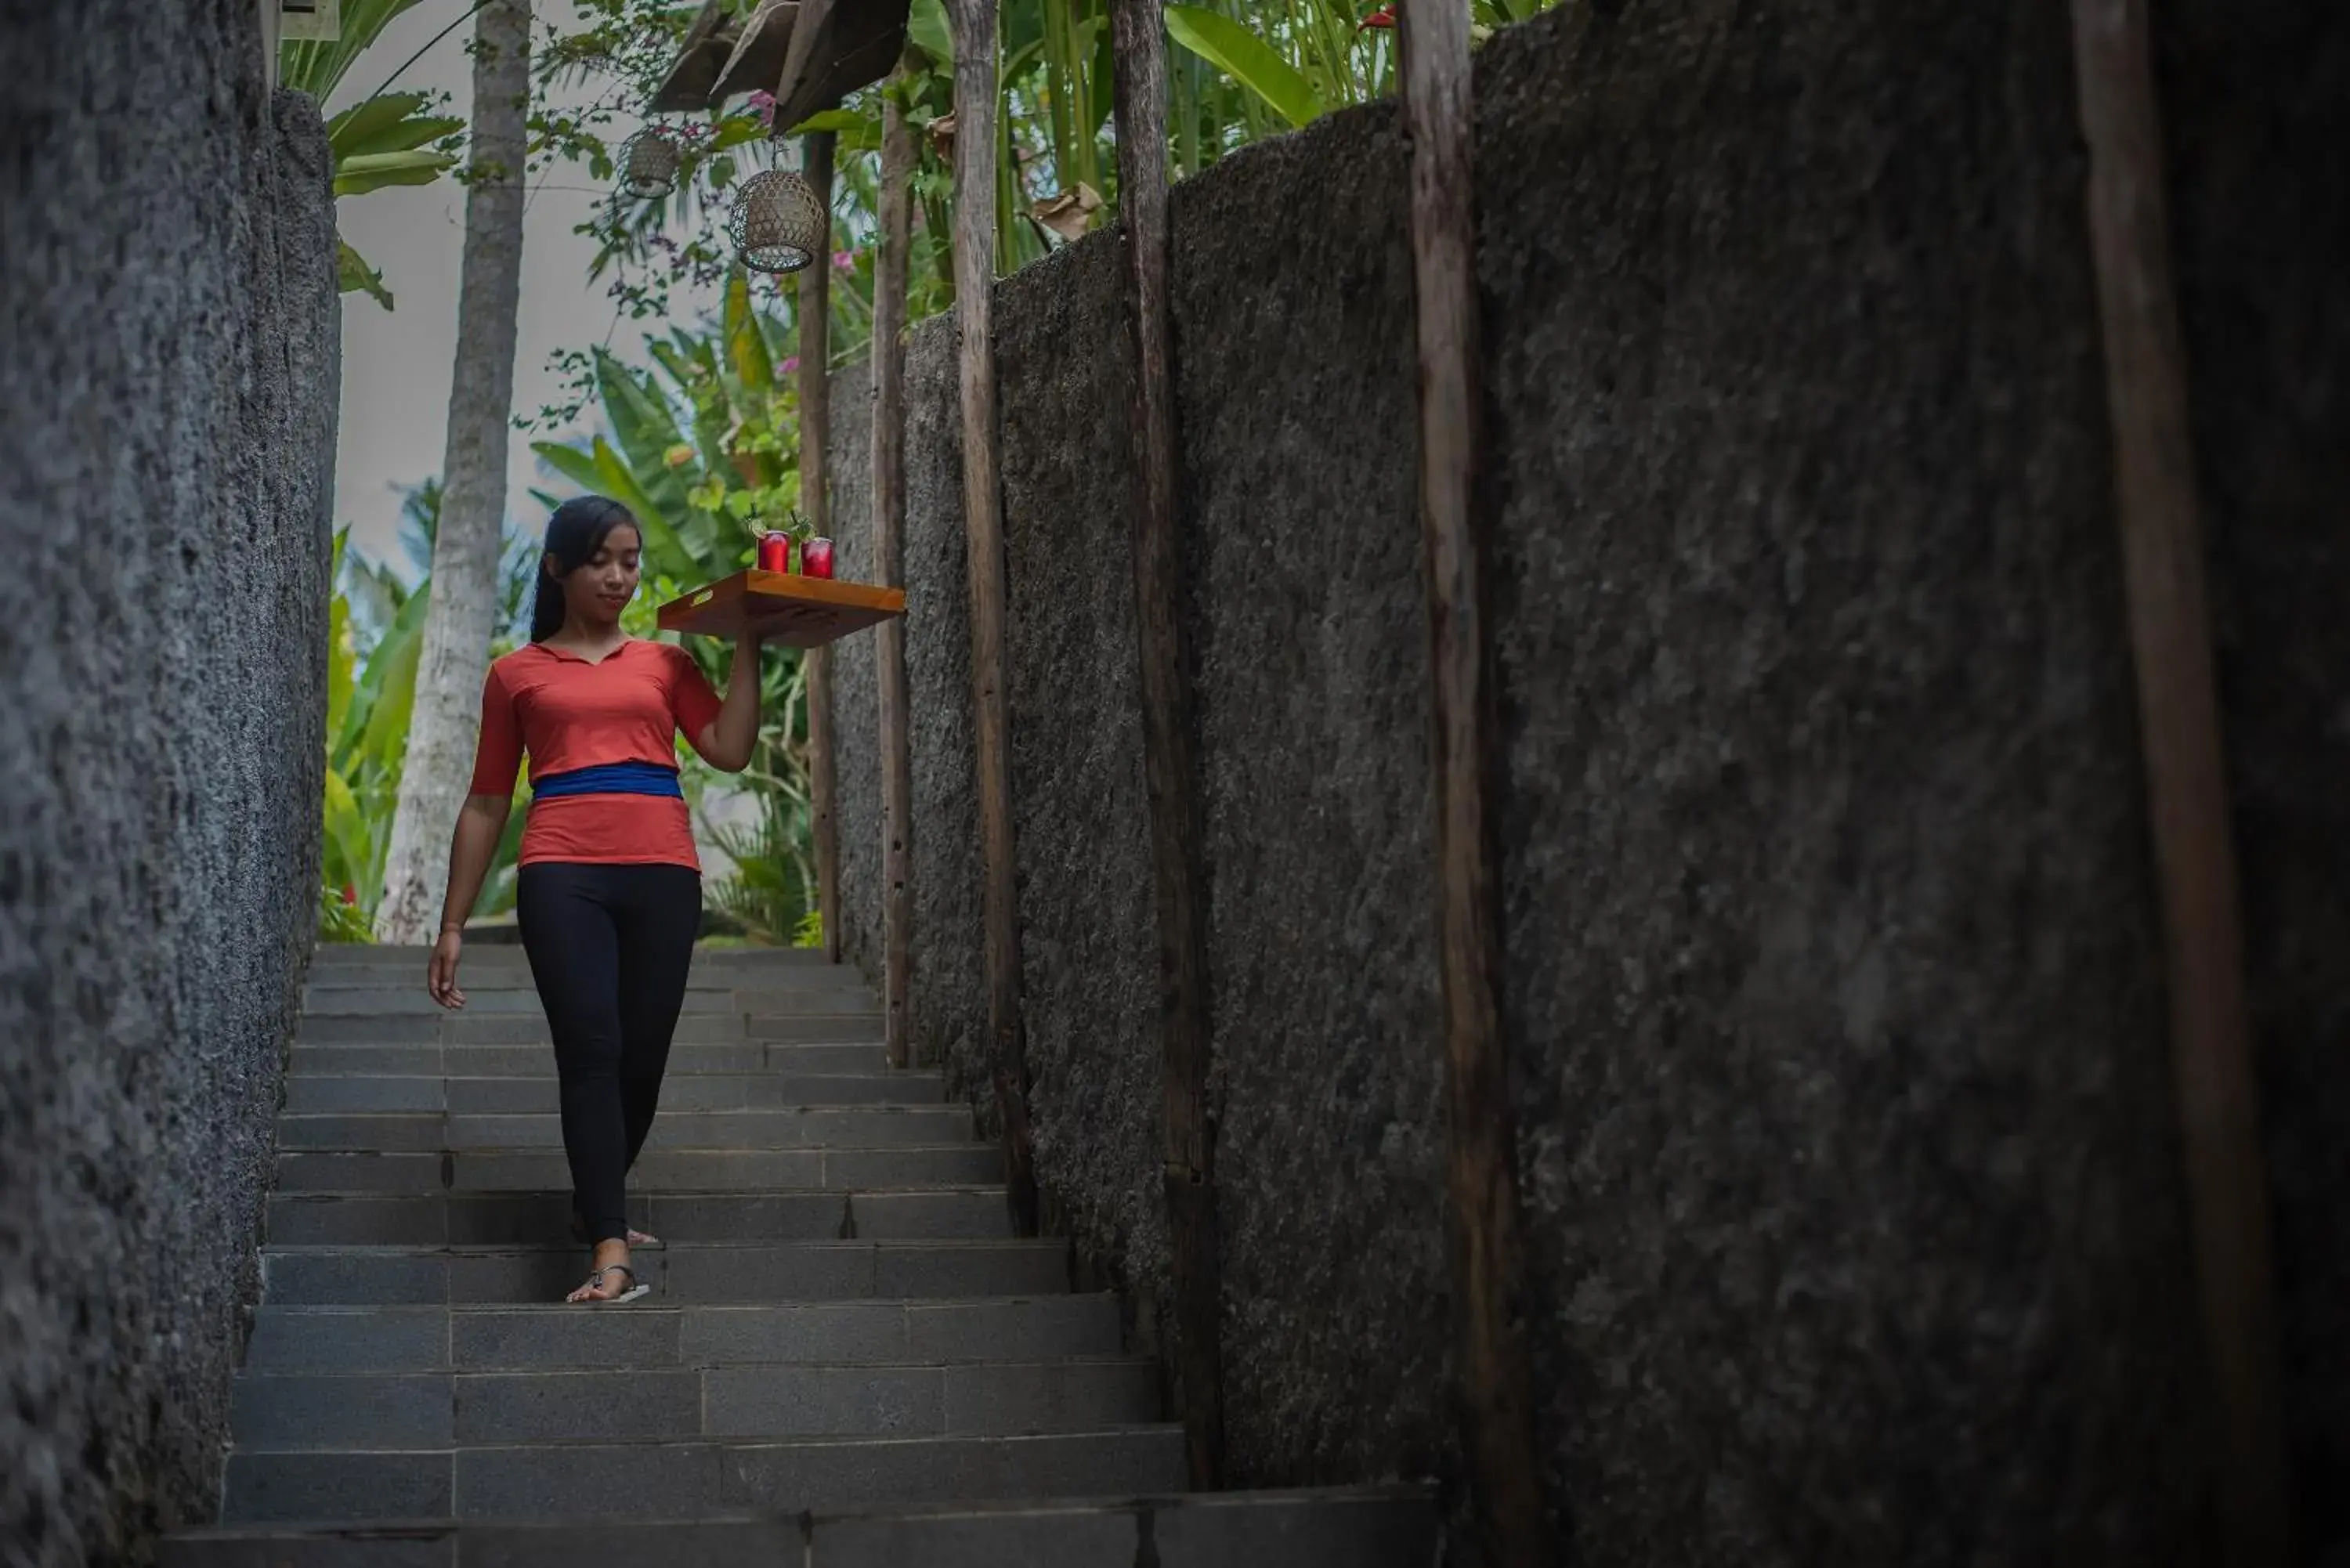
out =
column 396, row 364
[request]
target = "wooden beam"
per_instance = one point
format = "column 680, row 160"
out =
column 889, row 570
column 701, row 56
column 1493, row 1377
column 2156, row 503
column 982, row 503
column 836, row 46
column 815, row 505
column 1169, row 767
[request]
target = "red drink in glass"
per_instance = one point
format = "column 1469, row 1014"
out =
column 775, row 552
column 816, row 557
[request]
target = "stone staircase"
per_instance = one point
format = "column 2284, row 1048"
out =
column 847, row 1360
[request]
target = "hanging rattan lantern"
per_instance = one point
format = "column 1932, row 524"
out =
column 649, row 164
column 777, row 225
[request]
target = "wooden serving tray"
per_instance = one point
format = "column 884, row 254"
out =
column 783, row 607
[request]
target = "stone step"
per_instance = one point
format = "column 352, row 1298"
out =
column 577, row 1481
column 514, row 1219
column 842, row 995
column 810, row 1027
column 696, row 1274
column 848, row 1026
column 309, row 1094
column 471, row 1061
column 658, row 1170
column 538, row 1337
column 475, row 977
column 1385, row 1528
column 795, row 1126
column 283, row 1412
column 336, row 957
column 382, row 1001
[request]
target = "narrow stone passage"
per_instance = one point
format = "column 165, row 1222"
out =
column 845, row 1358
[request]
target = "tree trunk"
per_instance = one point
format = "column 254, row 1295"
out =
column 459, row 620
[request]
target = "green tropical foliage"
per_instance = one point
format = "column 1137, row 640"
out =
column 702, row 441
column 318, row 67
column 1241, row 70
column 389, row 139
column 339, row 921
column 375, row 633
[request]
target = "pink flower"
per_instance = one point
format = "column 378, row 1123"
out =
column 763, row 104
column 791, row 365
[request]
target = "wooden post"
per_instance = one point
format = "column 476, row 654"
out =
column 983, row 505
column 1139, row 51
column 889, row 570
column 2156, row 503
column 815, row 505
column 1494, row 1383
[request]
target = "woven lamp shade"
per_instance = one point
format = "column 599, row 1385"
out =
column 777, row 225
column 649, row 164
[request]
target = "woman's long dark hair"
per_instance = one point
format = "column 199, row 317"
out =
column 574, row 534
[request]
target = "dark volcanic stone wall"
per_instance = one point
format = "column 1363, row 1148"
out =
column 1855, row 1218
column 166, row 419
column 1294, row 339
column 1088, row 947
column 949, row 1026
column 856, row 743
column 1835, row 986
column 2256, row 103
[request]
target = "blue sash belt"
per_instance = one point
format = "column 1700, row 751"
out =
column 610, row 778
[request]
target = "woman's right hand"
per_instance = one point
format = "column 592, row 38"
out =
column 441, row 978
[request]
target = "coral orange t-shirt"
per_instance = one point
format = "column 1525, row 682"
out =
column 602, row 743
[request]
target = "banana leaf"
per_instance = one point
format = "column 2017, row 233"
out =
column 317, row 68
column 664, row 551
column 393, row 123
column 353, row 275
column 746, row 346
column 644, row 428
column 574, row 465
column 374, row 171
column 376, row 729
column 928, row 30
column 1247, row 59
column 347, row 836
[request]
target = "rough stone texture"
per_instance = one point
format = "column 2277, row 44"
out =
column 2255, row 99
column 950, row 988
column 1856, row 1222
column 1089, row 950
column 1293, row 348
column 1835, row 982
column 855, row 733
column 166, row 419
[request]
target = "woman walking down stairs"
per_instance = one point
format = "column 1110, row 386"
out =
column 844, row 1359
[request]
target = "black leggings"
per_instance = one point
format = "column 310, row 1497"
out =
column 609, row 947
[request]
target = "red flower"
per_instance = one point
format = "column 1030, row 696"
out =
column 1384, row 17
column 350, row 894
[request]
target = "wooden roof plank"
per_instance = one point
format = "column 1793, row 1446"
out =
column 758, row 58
column 692, row 79
column 838, row 47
